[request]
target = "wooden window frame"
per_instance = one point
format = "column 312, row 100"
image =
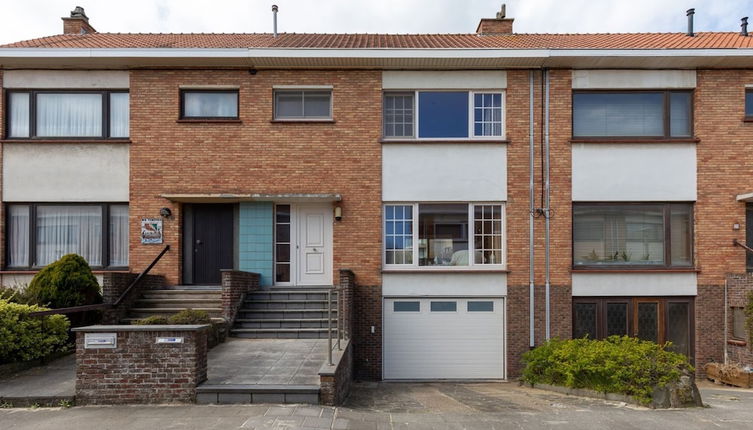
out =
column 182, row 114
column 105, row 94
column 667, row 136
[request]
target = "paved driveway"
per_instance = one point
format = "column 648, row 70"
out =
column 408, row 406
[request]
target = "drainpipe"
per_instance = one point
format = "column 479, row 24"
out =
column 726, row 321
column 547, row 209
column 531, row 214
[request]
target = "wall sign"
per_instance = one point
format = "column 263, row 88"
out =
column 100, row 340
column 151, row 230
column 169, row 340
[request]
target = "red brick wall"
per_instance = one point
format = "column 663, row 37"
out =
column 739, row 289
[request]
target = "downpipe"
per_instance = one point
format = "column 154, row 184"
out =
column 547, row 208
column 531, row 213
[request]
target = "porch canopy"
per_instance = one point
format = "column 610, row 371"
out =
column 235, row 198
column 747, row 197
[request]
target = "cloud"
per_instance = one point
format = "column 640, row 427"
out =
column 35, row 18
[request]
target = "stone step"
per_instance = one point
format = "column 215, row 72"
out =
column 282, row 333
column 178, row 303
column 166, row 312
column 283, row 323
column 129, row 320
column 289, row 295
column 182, row 294
column 283, row 313
column 226, row 394
column 285, row 304
column 193, row 287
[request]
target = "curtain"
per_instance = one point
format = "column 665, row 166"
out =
column 209, row 105
column 618, row 114
column 18, row 236
column 119, row 115
column 119, row 235
column 19, row 115
column 74, row 115
column 69, row 229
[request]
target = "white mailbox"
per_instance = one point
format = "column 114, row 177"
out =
column 100, row 340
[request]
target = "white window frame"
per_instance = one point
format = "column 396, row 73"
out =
column 472, row 265
column 471, row 129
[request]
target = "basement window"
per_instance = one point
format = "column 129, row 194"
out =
column 738, row 323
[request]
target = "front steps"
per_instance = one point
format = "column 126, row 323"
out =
column 286, row 314
column 168, row 301
column 245, row 394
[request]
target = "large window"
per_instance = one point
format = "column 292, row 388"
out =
column 656, row 319
column 443, row 115
column 633, row 114
column 638, row 235
column 303, row 104
column 39, row 234
column 68, row 114
column 443, row 235
column 209, row 104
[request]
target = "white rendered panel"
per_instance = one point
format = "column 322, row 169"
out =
column 416, row 80
column 58, row 79
column 633, row 79
column 634, row 284
column 444, row 284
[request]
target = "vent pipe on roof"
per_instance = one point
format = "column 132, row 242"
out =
column 744, row 26
column 690, row 13
column 274, row 20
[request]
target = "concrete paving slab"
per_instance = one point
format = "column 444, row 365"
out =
column 55, row 379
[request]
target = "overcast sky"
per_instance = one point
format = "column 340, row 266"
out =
column 27, row 19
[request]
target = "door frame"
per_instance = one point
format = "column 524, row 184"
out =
column 295, row 240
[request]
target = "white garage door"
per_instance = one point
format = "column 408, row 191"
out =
column 444, row 338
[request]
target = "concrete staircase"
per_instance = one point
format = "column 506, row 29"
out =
column 290, row 313
column 171, row 300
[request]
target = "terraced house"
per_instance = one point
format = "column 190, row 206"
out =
column 487, row 191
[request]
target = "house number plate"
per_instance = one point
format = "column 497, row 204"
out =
column 169, row 340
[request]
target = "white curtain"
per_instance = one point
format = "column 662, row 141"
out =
column 119, row 115
column 19, row 115
column 119, row 235
column 18, row 236
column 69, row 229
column 208, row 105
column 74, row 115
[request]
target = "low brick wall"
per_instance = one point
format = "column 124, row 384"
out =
column 335, row 381
column 235, row 285
column 138, row 370
column 738, row 289
column 115, row 283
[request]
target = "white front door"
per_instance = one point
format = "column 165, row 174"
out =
column 314, row 245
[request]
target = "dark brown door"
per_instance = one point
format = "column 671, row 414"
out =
column 212, row 242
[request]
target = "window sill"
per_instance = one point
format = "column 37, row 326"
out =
column 209, row 120
column 302, row 121
column 66, row 140
column 403, row 141
column 635, row 140
column 737, row 342
column 446, row 270
column 634, row 270
column 748, row 119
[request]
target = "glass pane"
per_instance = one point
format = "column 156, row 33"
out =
column 678, row 327
column 289, row 104
column 65, row 230
column 618, row 114
column 398, row 234
column 443, row 234
column 749, row 103
column 119, row 115
column 487, row 234
column 443, row 114
column 648, row 321
column 738, row 323
column 679, row 114
column 681, row 234
column 18, row 236
column 283, row 233
column 316, row 104
column 206, row 104
column 487, row 115
column 283, row 253
column 585, row 320
column 398, row 115
column 282, row 273
column 69, row 115
column 18, row 121
column 406, row 307
column 480, row 306
column 283, row 213
column 444, row 306
column 617, row 319
column 618, row 234
column 119, row 235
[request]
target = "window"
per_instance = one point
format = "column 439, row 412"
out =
column 643, row 114
column 406, row 307
column 209, row 104
column 443, row 235
column 303, row 105
column 39, row 234
column 68, row 114
column 282, row 243
column 480, row 306
column 749, row 236
column 443, row 115
column 749, row 103
column 444, row 306
column 738, row 323
column 624, row 235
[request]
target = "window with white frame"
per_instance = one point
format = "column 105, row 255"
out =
column 443, row 114
column 443, row 234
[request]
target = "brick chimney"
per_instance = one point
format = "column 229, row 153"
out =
column 77, row 23
column 498, row 25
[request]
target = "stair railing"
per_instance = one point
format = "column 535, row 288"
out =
column 140, row 277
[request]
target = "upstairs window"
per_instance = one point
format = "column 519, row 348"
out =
column 632, row 114
column 68, row 114
column 209, row 104
column 303, row 105
column 443, row 115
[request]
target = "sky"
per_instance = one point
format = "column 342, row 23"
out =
column 27, row 19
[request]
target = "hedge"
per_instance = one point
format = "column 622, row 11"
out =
column 25, row 338
column 617, row 364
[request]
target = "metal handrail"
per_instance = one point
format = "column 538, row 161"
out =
column 341, row 335
column 742, row 245
column 141, row 276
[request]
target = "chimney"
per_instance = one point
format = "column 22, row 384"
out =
column 690, row 13
column 744, row 26
column 498, row 25
column 77, row 23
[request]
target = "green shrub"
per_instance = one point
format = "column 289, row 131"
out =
column 24, row 338
column 749, row 319
column 190, row 316
column 615, row 365
column 15, row 295
column 151, row 320
column 65, row 283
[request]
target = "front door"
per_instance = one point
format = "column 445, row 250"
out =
column 303, row 244
column 212, row 242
